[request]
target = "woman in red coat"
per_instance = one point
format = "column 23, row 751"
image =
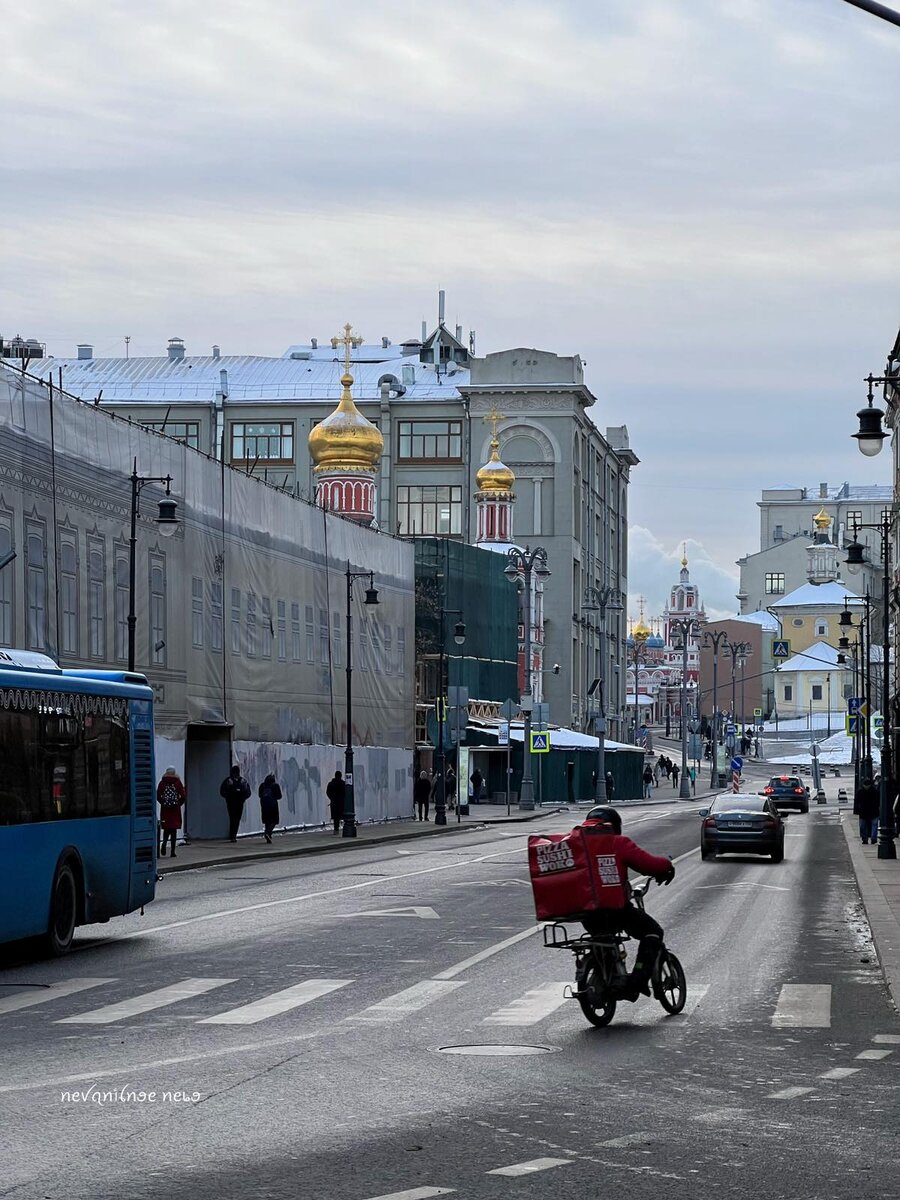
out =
column 170, row 796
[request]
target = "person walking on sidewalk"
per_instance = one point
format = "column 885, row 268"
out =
column 234, row 791
column 866, row 805
column 336, row 793
column 170, row 795
column 422, row 794
column 648, row 780
column 676, row 770
column 269, row 795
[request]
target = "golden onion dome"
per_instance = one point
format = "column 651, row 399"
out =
column 495, row 476
column 822, row 520
column 641, row 631
column 345, row 440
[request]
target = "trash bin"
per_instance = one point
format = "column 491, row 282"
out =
column 720, row 776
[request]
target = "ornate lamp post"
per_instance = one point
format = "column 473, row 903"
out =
column 639, row 635
column 855, row 560
column 715, row 639
column 737, row 652
column 685, row 628
column 527, row 563
column 167, row 523
column 601, row 601
column 371, row 598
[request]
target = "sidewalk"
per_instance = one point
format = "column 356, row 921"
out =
column 878, row 880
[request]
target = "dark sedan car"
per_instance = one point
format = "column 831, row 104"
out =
column 738, row 824
column 787, row 791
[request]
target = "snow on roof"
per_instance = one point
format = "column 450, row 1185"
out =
column 765, row 620
column 818, row 595
column 844, row 491
column 250, row 377
column 818, row 657
column 560, row 739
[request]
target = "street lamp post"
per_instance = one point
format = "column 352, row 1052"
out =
column 601, row 600
column 639, row 642
column 459, row 636
column 855, row 560
column 167, row 523
column 527, row 563
column 349, row 823
column 715, row 639
column 737, row 651
column 686, row 628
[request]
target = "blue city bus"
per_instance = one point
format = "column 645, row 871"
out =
column 77, row 797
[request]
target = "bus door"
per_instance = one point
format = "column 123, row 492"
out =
column 143, row 805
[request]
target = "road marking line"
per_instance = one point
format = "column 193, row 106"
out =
column 630, row 1139
column 840, row 1073
column 529, row 1168
column 803, row 1006
column 422, row 1193
column 277, row 1002
column 874, row 1055
column 790, row 1093
column 425, row 913
column 410, row 1000
column 488, row 952
column 146, row 1002
column 887, row 1039
column 68, row 987
column 656, row 1015
column 534, row 1006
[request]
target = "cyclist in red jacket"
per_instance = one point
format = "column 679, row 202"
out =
column 630, row 919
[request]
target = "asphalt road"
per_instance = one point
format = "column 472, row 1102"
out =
column 278, row 1029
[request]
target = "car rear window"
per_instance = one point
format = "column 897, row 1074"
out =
column 738, row 803
column 784, row 781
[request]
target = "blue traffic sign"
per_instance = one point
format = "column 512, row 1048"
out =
column 730, row 729
column 853, row 705
column 781, row 648
column 737, row 763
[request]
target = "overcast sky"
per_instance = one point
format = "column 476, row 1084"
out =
column 698, row 196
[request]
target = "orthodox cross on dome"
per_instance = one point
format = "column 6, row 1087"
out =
column 349, row 340
column 494, row 418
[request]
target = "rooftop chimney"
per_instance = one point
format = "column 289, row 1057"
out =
column 85, row 351
column 175, row 349
column 217, row 353
column 424, row 331
column 459, row 333
column 441, row 307
column 385, row 342
column 823, row 491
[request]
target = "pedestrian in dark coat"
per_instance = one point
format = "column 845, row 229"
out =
column 667, row 767
column 269, row 795
column 477, row 781
column 170, row 795
column 675, row 773
column 422, row 795
column 648, row 781
column 866, row 805
column 610, row 786
column 336, row 793
column 234, row 791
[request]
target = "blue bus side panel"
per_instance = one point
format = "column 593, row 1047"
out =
column 28, row 858
column 142, row 886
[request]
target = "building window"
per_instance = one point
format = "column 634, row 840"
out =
column 361, row 624
column 96, row 553
column 816, row 691
column 267, row 629
column 187, row 432
column 388, row 651
column 376, row 647
column 7, row 581
column 797, row 622
column 68, row 591
column 324, row 648
column 788, row 691
column 821, row 629
column 310, row 634
column 401, row 650
column 157, row 610
column 251, row 625
column 337, row 649
column 120, row 604
column 296, row 655
column 215, row 615
column 854, row 517
column 775, row 583
column 779, row 533
column 426, row 509
column 273, row 442
column 36, row 585
column 282, row 631
column 197, row 610
column 423, row 441
column 235, row 620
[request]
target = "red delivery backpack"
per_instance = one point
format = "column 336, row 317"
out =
column 574, row 873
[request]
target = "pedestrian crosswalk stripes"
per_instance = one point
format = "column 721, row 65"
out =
column 534, row 1006
column 655, row 1014
column 419, row 1193
column 138, row 1005
column 531, row 1167
column 277, row 1003
column 410, row 1000
column 803, row 1006
column 53, row 991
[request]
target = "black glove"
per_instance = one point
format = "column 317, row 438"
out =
column 667, row 876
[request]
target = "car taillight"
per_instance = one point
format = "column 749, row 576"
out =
column 798, row 791
column 710, row 821
column 769, row 823
column 768, row 791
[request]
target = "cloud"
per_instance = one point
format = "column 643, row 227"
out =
column 654, row 570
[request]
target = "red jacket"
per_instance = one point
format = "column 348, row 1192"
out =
column 610, row 855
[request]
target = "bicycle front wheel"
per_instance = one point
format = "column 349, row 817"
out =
column 669, row 984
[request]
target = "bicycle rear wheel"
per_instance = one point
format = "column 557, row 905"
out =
column 669, row 983
column 596, row 1003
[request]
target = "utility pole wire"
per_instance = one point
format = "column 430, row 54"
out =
column 877, row 10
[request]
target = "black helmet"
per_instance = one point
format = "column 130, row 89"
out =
column 607, row 815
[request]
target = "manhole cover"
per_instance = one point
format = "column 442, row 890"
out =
column 497, row 1051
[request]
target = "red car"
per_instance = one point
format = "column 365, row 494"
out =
column 787, row 791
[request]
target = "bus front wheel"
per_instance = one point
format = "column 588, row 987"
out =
column 63, row 910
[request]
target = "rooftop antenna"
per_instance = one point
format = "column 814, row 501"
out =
column 441, row 307
column 127, row 342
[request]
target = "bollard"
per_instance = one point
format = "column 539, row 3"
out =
column 842, row 796
column 820, row 796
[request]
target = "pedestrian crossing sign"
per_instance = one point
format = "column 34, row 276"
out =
column 540, row 741
column 781, row 648
column 852, row 721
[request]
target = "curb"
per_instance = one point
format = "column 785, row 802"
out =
column 882, row 920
